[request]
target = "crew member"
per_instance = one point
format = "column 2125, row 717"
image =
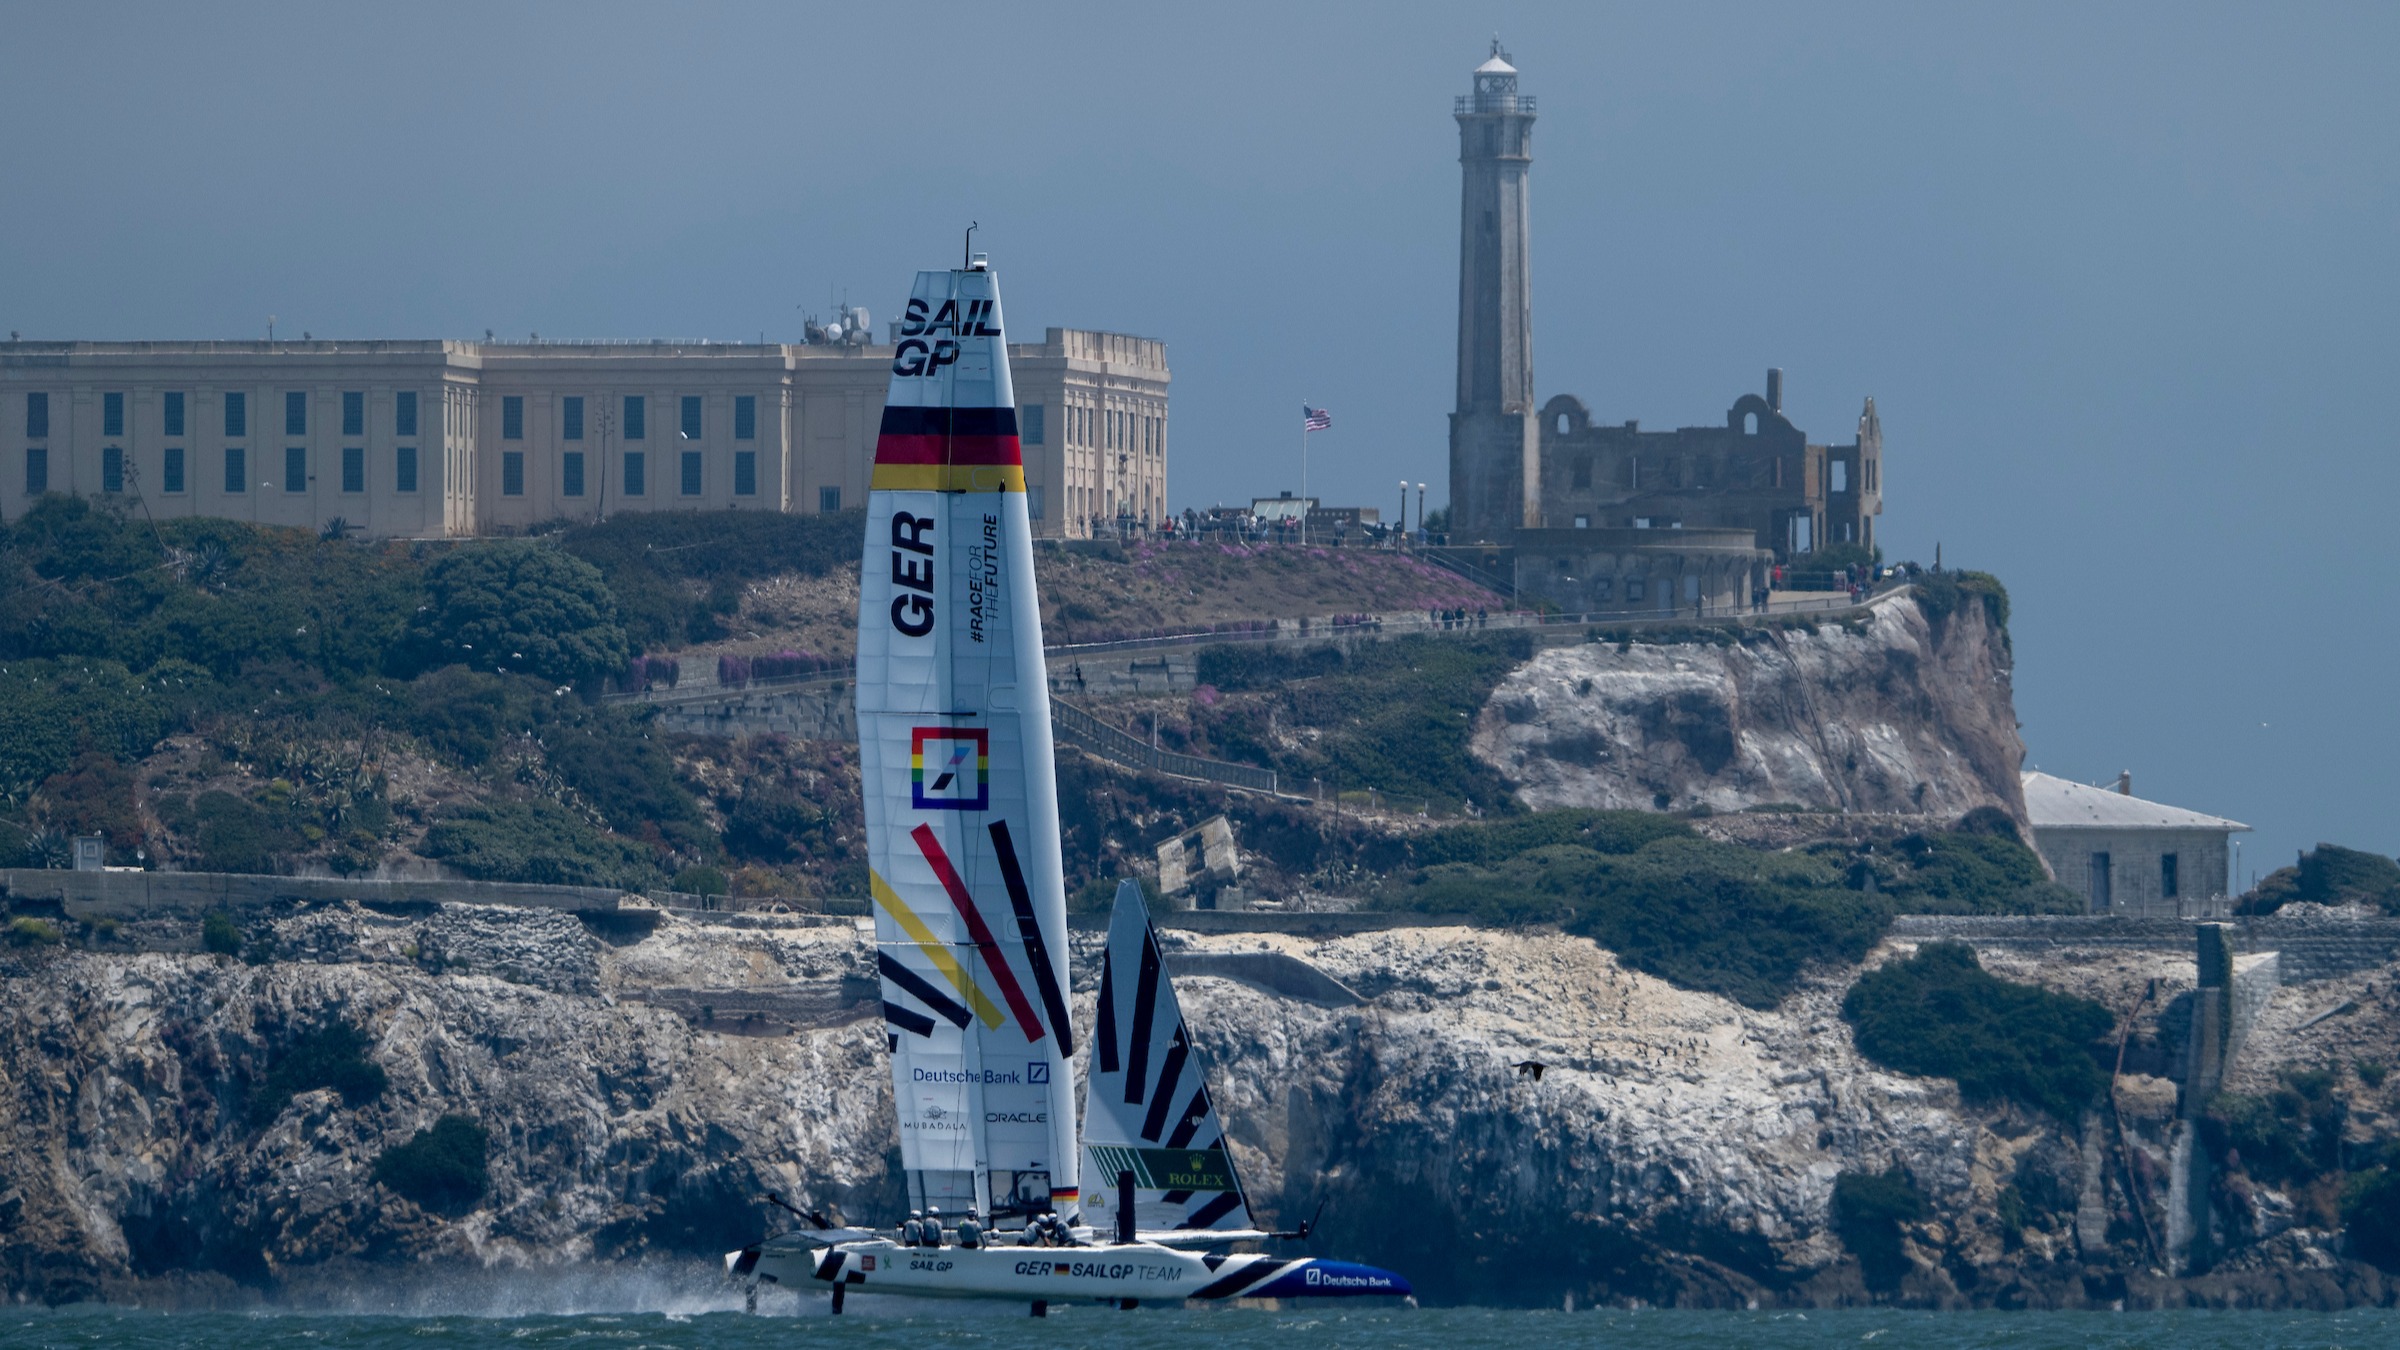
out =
column 970, row 1231
column 933, row 1226
column 913, row 1232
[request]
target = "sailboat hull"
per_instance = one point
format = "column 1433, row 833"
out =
column 1111, row 1273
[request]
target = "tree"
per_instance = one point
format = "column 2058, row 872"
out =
column 519, row 605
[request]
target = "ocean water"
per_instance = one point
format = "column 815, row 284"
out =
column 872, row 1324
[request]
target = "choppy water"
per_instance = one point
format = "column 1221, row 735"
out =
column 872, row 1324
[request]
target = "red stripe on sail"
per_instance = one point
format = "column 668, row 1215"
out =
column 985, row 943
column 898, row 448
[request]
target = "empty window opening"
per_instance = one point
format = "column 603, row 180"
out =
column 2170, row 883
column 2100, row 883
column 1839, row 472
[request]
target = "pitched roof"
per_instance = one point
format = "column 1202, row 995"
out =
column 2056, row 803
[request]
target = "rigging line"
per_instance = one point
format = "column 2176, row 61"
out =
column 993, row 959
column 934, row 947
column 1037, row 951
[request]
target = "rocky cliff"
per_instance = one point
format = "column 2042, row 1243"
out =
column 641, row 1089
column 1895, row 713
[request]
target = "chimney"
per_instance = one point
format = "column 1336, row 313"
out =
column 2125, row 782
column 1775, row 388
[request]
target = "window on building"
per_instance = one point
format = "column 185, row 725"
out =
column 295, row 468
column 112, row 468
column 1691, row 587
column 404, row 469
column 37, row 416
column 1837, row 472
column 237, row 414
column 829, row 499
column 2170, row 882
column 570, row 418
column 745, row 417
column 1583, row 471
column 1601, row 587
column 1633, row 588
column 1583, row 522
column 354, row 412
column 512, row 473
column 2101, row 900
column 570, row 473
column 637, row 420
column 37, row 471
column 112, row 414
column 1034, row 496
column 635, row 472
column 691, row 417
column 1031, row 419
column 512, row 417
column 404, row 413
column 354, row 468
column 745, row 473
column 691, row 473
column 295, row 413
column 237, row 469
column 171, row 408
column 170, row 470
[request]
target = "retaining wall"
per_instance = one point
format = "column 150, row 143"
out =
column 141, row 895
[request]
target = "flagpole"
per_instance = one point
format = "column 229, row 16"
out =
column 1305, row 405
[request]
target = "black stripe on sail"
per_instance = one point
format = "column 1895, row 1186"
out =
column 907, row 1019
column 1175, row 1198
column 1163, row 1096
column 1145, row 1002
column 1255, row 1272
column 1037, row 952
column 829, row 1266
column 1194, row 1115
column 1214, row 1210
column 1107, row 1030
column 950, row 1009
column 900, row 421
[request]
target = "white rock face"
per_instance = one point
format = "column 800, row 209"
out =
column 1894, row 718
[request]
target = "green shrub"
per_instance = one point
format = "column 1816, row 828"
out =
column 2371, row 1215
column 332, row 1056
column 2290, row 1136
column 1868, row 1209
column 2329, row 875
column 1487, row 843
column 219, row 936
column 675, row 572
column 235, row 835
column 443, row 1168
column 614, row 764
column 1942, row 594
column 700, row 881
column 52, row 711
column 536, row 841
column 519, row 605
column 1939, row 1014
column 28, row 931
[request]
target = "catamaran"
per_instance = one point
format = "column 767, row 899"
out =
column 969, row 894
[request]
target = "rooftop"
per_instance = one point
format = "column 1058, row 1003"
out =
column 2059, row 803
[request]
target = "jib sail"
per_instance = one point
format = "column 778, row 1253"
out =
column 1146, row 1106
column 955, row 759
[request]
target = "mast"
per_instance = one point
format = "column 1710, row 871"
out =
column 956, row 770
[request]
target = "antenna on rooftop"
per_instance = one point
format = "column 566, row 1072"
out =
column 969, row 259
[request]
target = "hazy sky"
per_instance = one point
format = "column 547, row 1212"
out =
column 2120, row 277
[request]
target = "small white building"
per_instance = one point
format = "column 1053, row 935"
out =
column 2129, row 856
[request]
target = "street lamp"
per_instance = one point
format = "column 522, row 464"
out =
column 1402, row 523
column 1420, row 508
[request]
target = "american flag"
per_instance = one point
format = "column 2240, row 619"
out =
column 1315, row 419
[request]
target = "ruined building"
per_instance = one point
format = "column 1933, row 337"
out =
column 1601, row 517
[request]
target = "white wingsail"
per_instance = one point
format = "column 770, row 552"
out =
column 959, row 784
column 1147, row 1113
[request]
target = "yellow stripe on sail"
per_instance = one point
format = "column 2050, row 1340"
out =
column 947, row 478
column 934, row 947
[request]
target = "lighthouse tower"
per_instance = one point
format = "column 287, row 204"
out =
column 1495, row 450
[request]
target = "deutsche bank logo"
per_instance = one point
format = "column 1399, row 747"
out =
column 949, row 768
column 1037, row 1073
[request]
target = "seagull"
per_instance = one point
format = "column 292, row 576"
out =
column 1529, row 1068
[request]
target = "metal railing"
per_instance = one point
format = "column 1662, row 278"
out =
column 1074, row 725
